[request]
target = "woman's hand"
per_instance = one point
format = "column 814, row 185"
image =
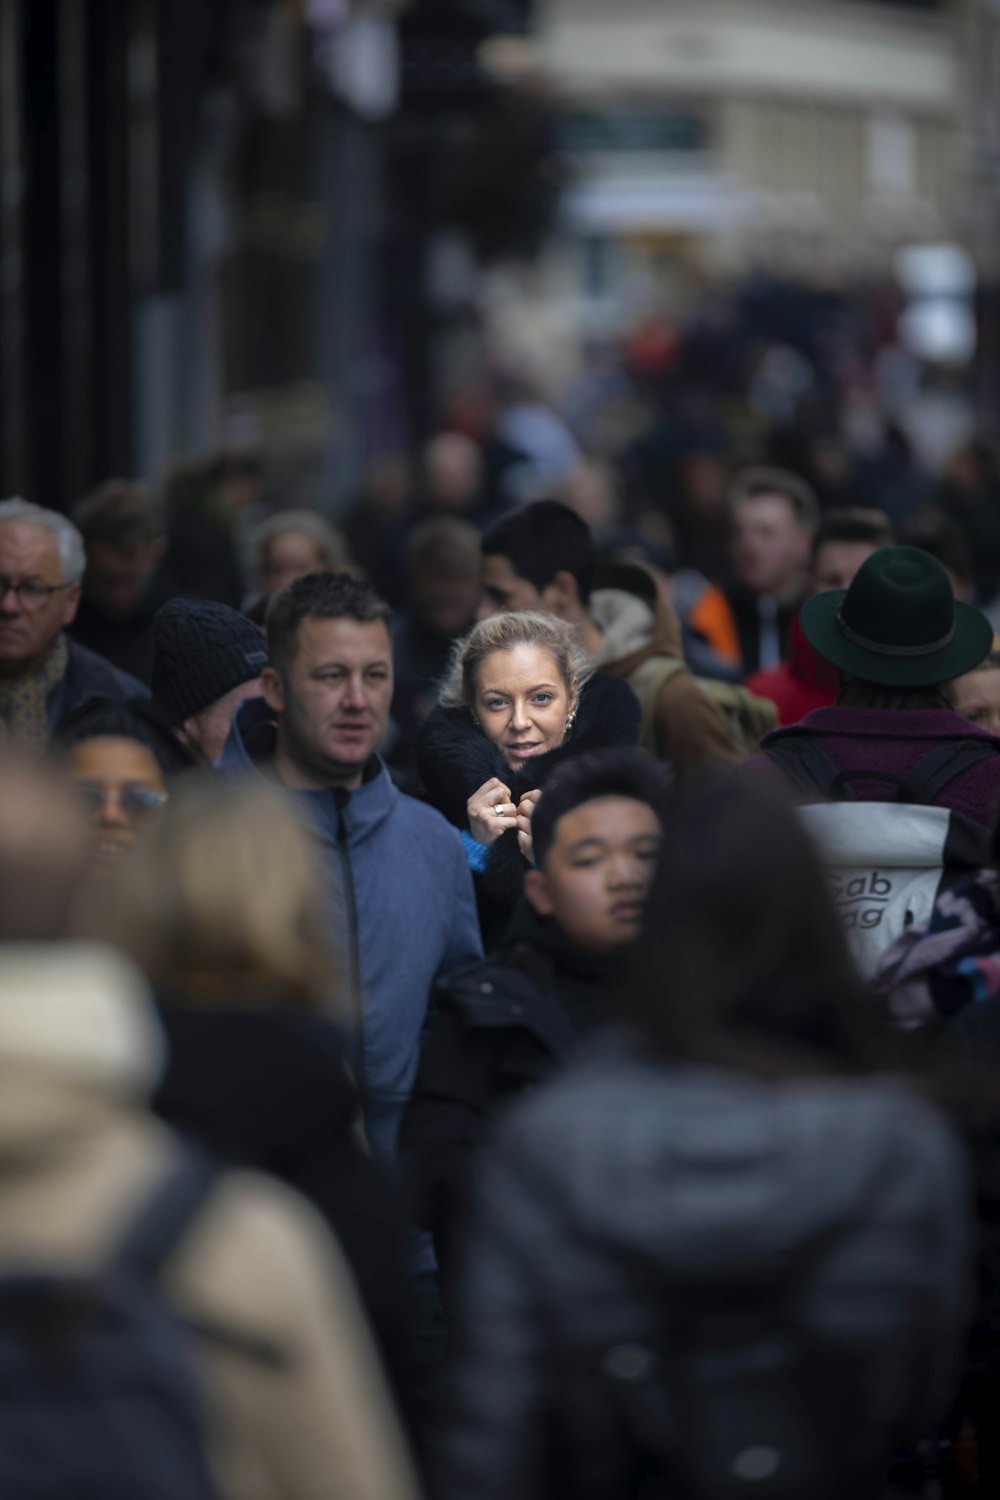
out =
column 525, row 809
column 491, row 812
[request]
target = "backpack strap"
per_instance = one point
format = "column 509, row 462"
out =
column 168, row 1213
column 808, row 767
column 811, row 771
column 928, row 778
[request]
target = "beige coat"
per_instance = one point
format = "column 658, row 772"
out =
column 79, row 1048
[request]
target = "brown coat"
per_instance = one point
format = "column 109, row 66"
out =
column 639, row 624
column 79, row 1153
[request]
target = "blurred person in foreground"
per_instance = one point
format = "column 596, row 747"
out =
column 43, row 672
column 120, row 761
column 125, row 536
column 685, row 1275
column 207, row 658
column 803, row 680
column 284, row 1397
column 773, row 516
column 502, row 1026
column 519, row 699
column 224, row 910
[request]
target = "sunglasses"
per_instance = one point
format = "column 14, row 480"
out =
column 138, row 802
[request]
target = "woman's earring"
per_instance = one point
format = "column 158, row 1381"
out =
column 570, row 720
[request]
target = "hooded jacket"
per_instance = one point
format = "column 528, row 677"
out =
column 405, row 912
column 639, row 623
column 801, row 683
column 80, row 1155
column 456, row 759
column 629, row 1192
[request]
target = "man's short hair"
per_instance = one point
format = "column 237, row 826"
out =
column 757, row 481
column 543, row 539
column 120, row 513
column 69, row 542
column 855, row 523
column 616, row 772
column 318, row 596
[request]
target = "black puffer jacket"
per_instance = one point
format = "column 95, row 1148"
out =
column 500, row 1027
column 656, row 1247
column 455, row 759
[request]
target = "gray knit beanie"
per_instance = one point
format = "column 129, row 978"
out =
column 201, row 651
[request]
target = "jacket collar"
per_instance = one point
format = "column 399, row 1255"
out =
column 250, row 746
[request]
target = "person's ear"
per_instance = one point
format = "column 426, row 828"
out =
column 273, row 689
column 561, row 595
column 536, row 889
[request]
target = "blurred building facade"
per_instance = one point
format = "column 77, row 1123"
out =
column 798, row 134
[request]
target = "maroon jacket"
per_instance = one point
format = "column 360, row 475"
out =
column 892, row 739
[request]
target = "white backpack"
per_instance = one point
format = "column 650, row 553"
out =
column 887, row 861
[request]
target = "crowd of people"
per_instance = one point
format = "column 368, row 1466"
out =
column 495, row 1003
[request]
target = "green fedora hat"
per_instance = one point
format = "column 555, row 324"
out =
column 898, row 624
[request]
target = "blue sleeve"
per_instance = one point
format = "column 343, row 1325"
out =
column 475, row 852
column 464, row 941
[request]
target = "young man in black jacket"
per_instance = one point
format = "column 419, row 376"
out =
column 502, row 1025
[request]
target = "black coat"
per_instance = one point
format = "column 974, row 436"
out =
column 499, row 1028
column 670, row 1264
column 267, row 1089
column 455, row 759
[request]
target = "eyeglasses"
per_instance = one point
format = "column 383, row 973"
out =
column 30, row 594
column 139, row 802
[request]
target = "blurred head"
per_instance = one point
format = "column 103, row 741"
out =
column 124, row 532
column 945, row 539
column 742, row 960
column 592, row 492
column 774, row 515
column 207, row 658
column 44, row 851
column 442, row 566
column 330, row 678
column 118, row 758
column 596, row 834
column 225, row 900
column 520, row 677
column 41, row 565
column 453, row 471
column 290, row 545
column 976, row 696
column 540, row 558
column 844, row 540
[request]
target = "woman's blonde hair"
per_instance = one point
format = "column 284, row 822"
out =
column 503, row 633
column 226, row 898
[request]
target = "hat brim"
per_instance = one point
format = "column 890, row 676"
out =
column 970, row 644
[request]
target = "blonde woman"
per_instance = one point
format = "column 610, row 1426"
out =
column 519, row 698
column 225, row 908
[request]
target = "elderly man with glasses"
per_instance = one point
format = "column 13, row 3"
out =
column 43, row 674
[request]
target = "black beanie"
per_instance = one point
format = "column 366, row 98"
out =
column 201, row 651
